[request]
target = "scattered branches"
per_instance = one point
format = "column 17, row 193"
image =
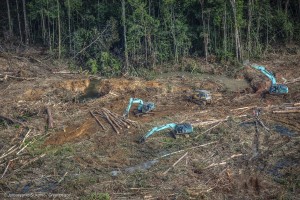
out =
column 6, row 76
column 175, row 163
column 8, row 119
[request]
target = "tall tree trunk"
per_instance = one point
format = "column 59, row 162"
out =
column 249, row 48
column 69, row 24
column 26, row 23
column 173, row 29
column 59, row 30
column 43, row 28
column 124, row 35
column 257, row 44
column 286, row 6
column 49, row 29
column 204, row 33
column 236, row 32
column 9, row 19
column 19, row 21
column 299, row 10
column 225, row 31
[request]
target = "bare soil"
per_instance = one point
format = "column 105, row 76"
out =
column 79, row 160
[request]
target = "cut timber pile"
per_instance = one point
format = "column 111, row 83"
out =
column 116, row 121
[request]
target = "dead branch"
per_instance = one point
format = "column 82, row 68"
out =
column 175, row 163
column 23, row 148
column 243, row 108
column 9, row 162
column 293, row 81
column 224, row 161
column 30, row 161
column 50, row 118
column 255, row 144
column 8, row 119
column 210, row 129
column 215, row 164
column 262, row 124
column 98, row 120
column 18, row 78
column 286, row 111
column 25, row 137
column 62, row 178
column 202, row 145
column 9, row 152
column 65, row 72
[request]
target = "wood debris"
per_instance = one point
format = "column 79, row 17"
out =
column 288, row 108
column 116, row 121
column 50, row 118
column 8, row 119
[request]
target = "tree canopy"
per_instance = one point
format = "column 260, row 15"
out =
column 104, row 35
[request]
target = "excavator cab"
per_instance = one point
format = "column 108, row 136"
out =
column 279, row 89
column 201, row 97
column 147, row 107
column 176, row 129
column 275, row 88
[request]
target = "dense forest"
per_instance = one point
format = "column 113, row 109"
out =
column 114, row 36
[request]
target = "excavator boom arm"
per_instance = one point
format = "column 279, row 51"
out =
column 265, row 72
column 132, row 101
column 159, row 128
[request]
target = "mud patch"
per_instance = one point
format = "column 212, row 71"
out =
column 282, row 130
column 125, row 85
column 33, row 94
column 71, row 133
column 79, row 85
column 92, row 91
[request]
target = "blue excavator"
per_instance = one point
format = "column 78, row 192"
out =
column 176, row 129
column 143, row 107
column 275, row 88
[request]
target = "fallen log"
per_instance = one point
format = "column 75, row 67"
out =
column 243, row 108
column 113, row 118
column 122, row 121
column 8, row 119
column 296, row 104
column 286, row 111
column 50, row 118
column 293, row 81
column 175, row 163
column 97, row 120
column 111, row 123
column 16, row 77
column 65, row 72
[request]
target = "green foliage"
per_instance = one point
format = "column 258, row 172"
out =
column 281, row 21
column 110, row 66
column 92, row 65
column 157, row 32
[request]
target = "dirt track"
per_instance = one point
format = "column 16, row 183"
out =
column 98, row 161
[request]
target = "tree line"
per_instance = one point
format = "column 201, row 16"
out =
column 111, row 36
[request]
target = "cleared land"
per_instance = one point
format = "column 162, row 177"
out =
column 230, row 155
